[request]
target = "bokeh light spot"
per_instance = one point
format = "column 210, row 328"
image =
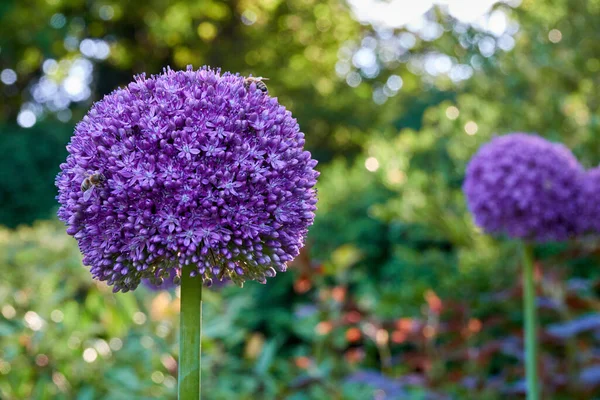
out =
column 158, row 377
column 555, row 36
column 8, row 76
column 8, row 311
column 115, row 344
column 139, row 318
column 41, row 360
column 57, row 21
column 33, row 321
column 106, row 12
column 57, row 316
column 371, row 164
column 90, row 355
column 471, row 128
column 207, row 31
column 249, row 17
column 452, row 112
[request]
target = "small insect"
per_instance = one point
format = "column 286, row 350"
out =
column 89, row 183
column 258, row 80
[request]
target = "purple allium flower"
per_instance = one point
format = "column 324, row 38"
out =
column 197, row 171
column 524, row 186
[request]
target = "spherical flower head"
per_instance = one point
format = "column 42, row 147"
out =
column 524, row 186
column 192, row 170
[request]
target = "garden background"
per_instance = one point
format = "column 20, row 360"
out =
column 397, row 294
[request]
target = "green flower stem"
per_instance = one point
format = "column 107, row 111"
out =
column 190, row 332
column 530, row 324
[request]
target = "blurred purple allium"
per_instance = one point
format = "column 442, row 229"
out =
column 526, row 187
column 191, row 168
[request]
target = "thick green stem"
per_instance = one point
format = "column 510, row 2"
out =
column 190, row 332
column 530, row 324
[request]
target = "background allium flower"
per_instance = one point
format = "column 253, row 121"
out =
column 524, row 186
column 198, row 170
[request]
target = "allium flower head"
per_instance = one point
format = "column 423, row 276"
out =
column 191, row 168
column 524, row 186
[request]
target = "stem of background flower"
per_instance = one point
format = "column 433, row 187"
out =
column 190, row 333
column 530, row 324
column 386, row 359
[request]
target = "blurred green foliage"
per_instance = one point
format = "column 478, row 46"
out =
column 29, row 163
column 397, row 293
column 65, row 336
column 54, row 318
